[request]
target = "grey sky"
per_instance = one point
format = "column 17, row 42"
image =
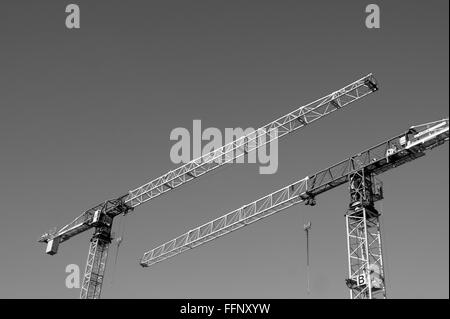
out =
column 86, row 116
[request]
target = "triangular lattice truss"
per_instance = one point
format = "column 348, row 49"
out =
column 365, row 258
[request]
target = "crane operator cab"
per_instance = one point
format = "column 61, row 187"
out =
column 408, row 137
column 403, row 142
column 101, row 219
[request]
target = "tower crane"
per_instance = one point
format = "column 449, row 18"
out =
column 101, row 216
column 366, row 277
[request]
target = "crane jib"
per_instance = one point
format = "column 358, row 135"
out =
column 375, row 160
column 286, row 124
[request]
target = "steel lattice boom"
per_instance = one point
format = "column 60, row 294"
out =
column 238, row 218
column 101, row 216
column 280, row 127
column 373, row 161
column 286, row 124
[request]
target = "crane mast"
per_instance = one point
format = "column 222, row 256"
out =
column 101, row 216
column 365, row 263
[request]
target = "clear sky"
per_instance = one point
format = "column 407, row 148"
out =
column 86, row 116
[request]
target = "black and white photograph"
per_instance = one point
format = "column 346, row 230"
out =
column 224, row 156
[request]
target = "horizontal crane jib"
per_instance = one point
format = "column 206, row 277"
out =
column 376, row 160
column 284, row 125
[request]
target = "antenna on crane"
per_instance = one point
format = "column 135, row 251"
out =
column 307, row 227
